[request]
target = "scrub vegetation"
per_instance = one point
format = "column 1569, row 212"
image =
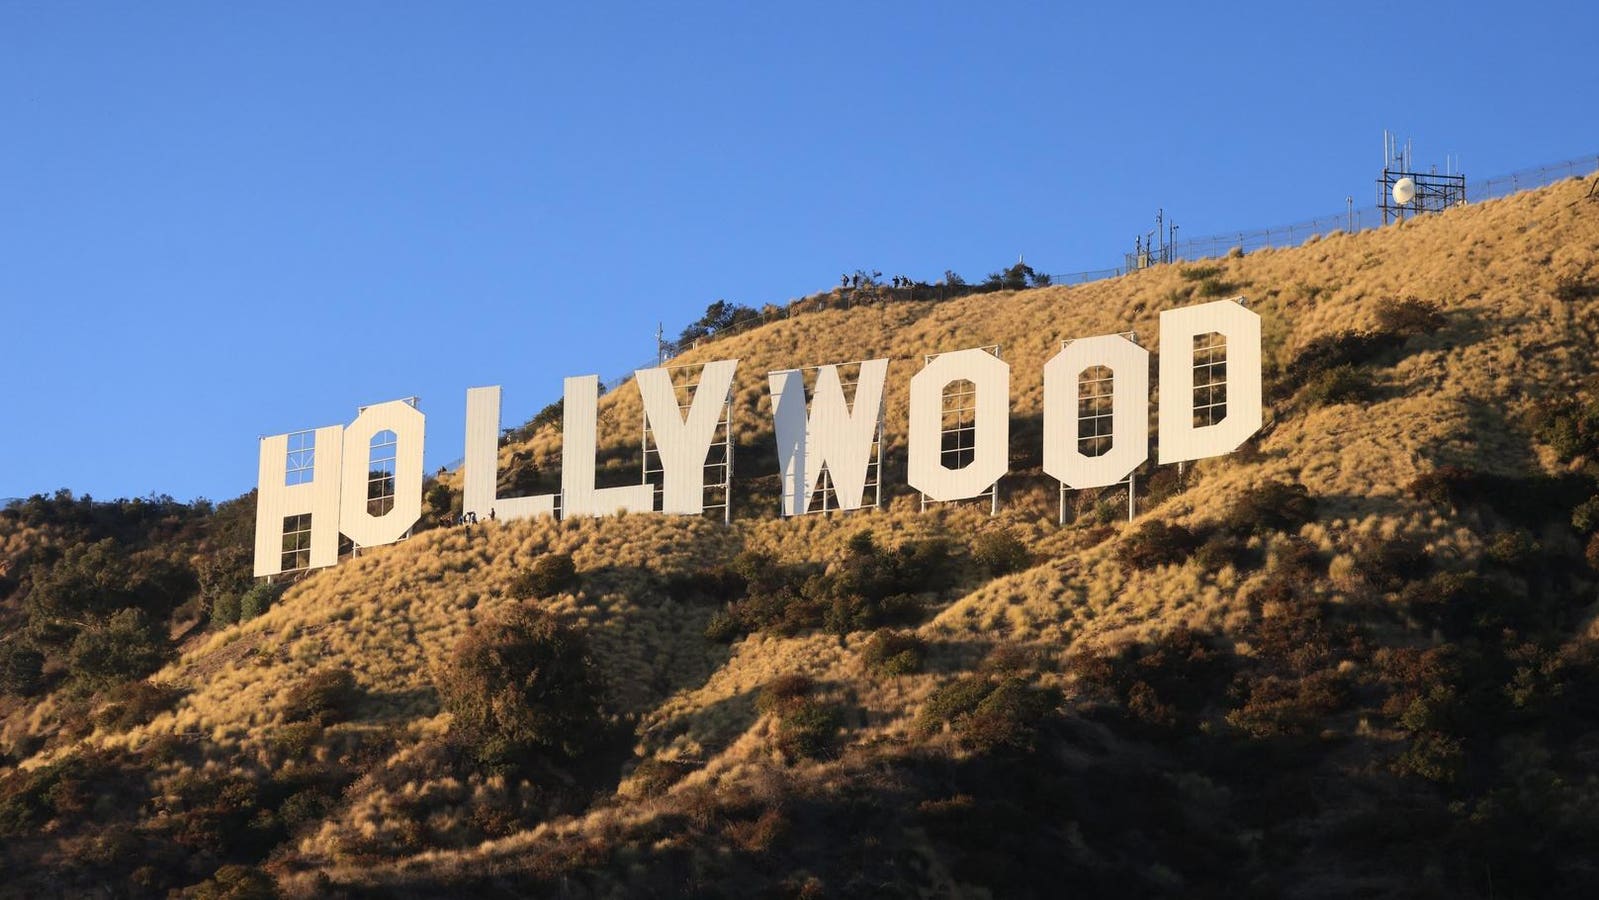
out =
column 1357, row 657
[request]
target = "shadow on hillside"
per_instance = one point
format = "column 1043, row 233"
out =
column 678, row 659
column 713, row 727
column 1358, row 507
column 947, row 657
column 402, row 705
column 1498, row 443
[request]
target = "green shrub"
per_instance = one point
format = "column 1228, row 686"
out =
column 1164, row 682
column 1409, row 317
column 1271, row 506
column 295, row 740
column 1155, row 543
column 126, row 646
column 551, row 574
column 225, row 610
column 21, row 667
column 1221, row 550
column 1289, row 706
column 304, row 808
column 951, row 701
column 233, row 882
column 894, row 652
column 784, row 692
column 258, row 599
column 723, row 627
column 522, row 684
column 654, row 776
column 1330, row 352
column 1008, row 716
column 324, row 697
column 808, row 730
column 1342, row 384
column 999, row 552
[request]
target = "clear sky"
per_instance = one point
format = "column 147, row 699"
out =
column 223, row 220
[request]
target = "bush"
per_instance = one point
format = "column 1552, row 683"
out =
column 1271, row 506
column 654, row 776
column 1165, row 682
column 1156, row 543
column 723, row 627
column 1221, row 550
column 1409, row 317
column 894, row 652
column 1289, row 706
column 808, row 730
column 784, row 692
column 225, row 610
column 950, row 702
column 1341, row 384
column 987, row 715
column 126, row 646
column 323, row 697
column 523, row 684
column 1008, row 716
column 551, row 574
column 258, row 599
column 1347, row 348
column 233, row 882
column 999, row 552
column 21, row 667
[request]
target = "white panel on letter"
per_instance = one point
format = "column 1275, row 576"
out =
column 685, row 442
column 831, row 435
column 1180, row 438
column 317, row 497
column 480, row 470
column 579, row 496
column 409, row 426
column 991, row 376
column 1063, row 456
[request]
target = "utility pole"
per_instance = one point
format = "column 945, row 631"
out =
column 660, row 343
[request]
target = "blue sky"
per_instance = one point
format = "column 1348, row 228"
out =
column 219, row 221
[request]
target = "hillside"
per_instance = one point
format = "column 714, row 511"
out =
column 1358, row 656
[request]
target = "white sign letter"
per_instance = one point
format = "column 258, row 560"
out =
column 1210, row 372
column 480, row 471
column 990, row 376
column 382, row 494
column 579, row 496
column 833, row 435
column 1128, row 365
column 297, row 501
column 684, row 441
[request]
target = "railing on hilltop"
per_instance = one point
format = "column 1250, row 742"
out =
column 1362, row 218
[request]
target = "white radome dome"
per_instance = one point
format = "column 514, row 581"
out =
column 1404, row 191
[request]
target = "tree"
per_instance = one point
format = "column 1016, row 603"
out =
column 126, row 646
column 21, row 667
column 523, row 685
column 719, row 317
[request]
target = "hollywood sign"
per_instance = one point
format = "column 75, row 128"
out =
column 364, row 480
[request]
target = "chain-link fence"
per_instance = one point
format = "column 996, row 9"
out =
column 1350, row 220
